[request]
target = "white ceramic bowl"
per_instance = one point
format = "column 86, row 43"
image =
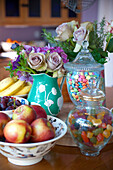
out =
column 6, row 46
column 32, row 153
column 22, row 100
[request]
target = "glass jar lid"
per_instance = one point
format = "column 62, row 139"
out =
column 92, row 93
column 84, row 61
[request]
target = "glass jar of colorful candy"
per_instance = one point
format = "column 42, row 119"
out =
column 77, row 81
column 90, row 124
column 80, row 71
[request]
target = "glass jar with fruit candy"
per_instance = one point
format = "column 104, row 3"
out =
column 90, row 124
column 80, row 71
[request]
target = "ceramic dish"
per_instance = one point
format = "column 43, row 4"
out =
column 24, row 95
column 32, row 153
column 6, row 46
column 22, row 100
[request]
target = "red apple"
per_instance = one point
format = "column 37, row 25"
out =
column 4, row 119
column 17, row 131
column 42, row 130
column 40, row 112
column 24, row 112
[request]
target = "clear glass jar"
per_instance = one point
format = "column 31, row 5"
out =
column 80, row 71
column 90, row 124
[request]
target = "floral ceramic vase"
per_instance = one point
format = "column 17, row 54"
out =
column 46, row 93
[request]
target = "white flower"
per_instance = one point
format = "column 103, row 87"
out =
column 79, row 34
column 48, row 103
column 59, row 73
column 65, row 30
column 41, row 88
column 87, row 25
column 54, row 61
column 60, row 102
column 54, row 92
column 77, row 47
column 37, row 61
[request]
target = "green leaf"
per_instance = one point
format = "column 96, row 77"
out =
column 99, row 55
column 71, row 55
column 102, row 60
column 110, row 46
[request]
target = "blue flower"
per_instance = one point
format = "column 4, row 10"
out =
column 14, row 46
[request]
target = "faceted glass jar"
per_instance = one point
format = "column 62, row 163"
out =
column 79, row 80
column 90, row 126
column 80, row 71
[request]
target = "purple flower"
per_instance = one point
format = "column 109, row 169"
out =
column 15, row 63
column 64, row 57
column 24, row 76
column 60, row 52
column 45, row 50
column 32, row 59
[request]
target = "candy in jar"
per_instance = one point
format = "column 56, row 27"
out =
column 90, row 124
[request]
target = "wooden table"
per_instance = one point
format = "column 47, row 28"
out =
column 65, row 155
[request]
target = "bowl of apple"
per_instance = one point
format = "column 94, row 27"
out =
column 29, row 134
column 10, row 103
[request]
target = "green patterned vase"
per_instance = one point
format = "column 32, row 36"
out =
column 46, row 93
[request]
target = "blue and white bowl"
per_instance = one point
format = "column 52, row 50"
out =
column 22, row 100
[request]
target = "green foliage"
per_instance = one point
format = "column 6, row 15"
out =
column 98, row 38
column 10, row 69
column 67, row 46
column 110, row 46
column 71, row 55
column 99, row 55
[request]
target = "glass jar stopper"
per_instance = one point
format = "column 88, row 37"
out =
column 92, row 93
column 84, row 61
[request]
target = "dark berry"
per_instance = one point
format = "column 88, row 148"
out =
column 10, row 108
column 18, row 103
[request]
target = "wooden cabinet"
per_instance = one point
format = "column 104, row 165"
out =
column 35, row 12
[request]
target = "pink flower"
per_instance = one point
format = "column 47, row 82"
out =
column 79, row 34
column 37, row 61
column 65, row 30
column 54, row 61
column 110, row 27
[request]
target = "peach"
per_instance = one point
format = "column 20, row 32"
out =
column 40, row 111
column 17, row 131
column 42, row 130
column 4, row 119
column 24, row 112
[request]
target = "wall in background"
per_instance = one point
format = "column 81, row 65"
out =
column 20, row 33
column 91, row 14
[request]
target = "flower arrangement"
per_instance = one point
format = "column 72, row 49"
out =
column 36, row 60
column 70, row 36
